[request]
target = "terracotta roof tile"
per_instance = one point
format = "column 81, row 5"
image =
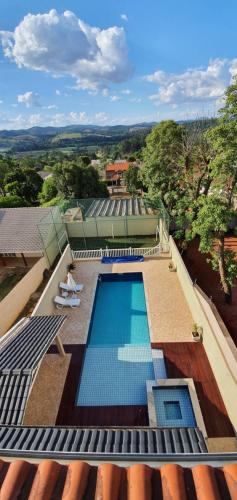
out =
column 117, row 167
column 205, row 483
column 230, row 473
column 173, row 485
column 78, row 480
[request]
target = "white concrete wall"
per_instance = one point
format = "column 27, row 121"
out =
column 108, row 226
column 219, row 347
column 45, row 304
column 12, row 305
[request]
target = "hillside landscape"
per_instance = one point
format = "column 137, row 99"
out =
column 74, row 137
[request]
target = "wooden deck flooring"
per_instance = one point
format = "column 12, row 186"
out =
column 183, row 360
column 186, row 359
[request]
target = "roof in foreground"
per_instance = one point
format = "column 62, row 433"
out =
column 18, row 229
column 119, row 207
column 20, row 354
column 65, row 441
column 76, row 480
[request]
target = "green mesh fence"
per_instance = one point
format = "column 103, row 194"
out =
column 53, row 234
column 101, row 223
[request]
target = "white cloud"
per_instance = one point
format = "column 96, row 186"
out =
column 22, row 121
column 136, row 100
column 62, row 44
column 115, row 98
column 124, row 17
column 126, row 92
column 57, row 92
column 61, row 119
column 105, row 92
column 78, row 117
column 1, row 102
column 194, row 85
column 51, row 106
column 101, row 118
column 30, row 99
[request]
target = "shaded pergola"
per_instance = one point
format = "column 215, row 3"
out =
column 21, row 352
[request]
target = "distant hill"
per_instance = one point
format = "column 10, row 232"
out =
column 73, row 136
column 76, row 137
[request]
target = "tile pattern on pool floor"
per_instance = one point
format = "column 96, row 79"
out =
column 173, row 407
column 115, row 376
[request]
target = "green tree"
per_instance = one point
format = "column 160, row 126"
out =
column 6, row 165
column 132, row 180
column 49, row 190
column 53, row 202
column 162, row 155
column 177, row 168
column 12, row 202
column 23, row 182
column 223, row 138
column 211, row 224
column 75, row 181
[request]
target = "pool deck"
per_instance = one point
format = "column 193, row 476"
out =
column 169, row 316
column 52, row 399
column 169, row 320
column 186, row 360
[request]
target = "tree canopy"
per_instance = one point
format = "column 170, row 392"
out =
column 78, row 181
column 132, row 180
column 23, row 182
column 194, row 171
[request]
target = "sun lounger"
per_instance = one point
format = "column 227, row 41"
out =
column 77, row 288
column 68, row 302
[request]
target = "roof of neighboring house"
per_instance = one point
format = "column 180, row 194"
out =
column 92, row 442
column 19, row 231
column 117, row 167
column 20, row 353
column 77, row 480
column 119, row 207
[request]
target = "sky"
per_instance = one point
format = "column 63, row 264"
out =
column 114, row 62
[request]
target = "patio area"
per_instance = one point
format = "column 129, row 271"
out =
column 169, row 316
column 169, row 321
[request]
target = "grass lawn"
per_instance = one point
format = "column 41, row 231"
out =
column 94, row 243
column 8, row 283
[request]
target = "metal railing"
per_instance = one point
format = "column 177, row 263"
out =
column 117, row 252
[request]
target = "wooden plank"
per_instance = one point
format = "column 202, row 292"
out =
column 187, row 359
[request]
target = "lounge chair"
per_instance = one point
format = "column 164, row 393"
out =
column 68, row 302
column 77, row 288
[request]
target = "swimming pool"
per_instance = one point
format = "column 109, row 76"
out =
column 119, row 314
column 173, row 407
column 118, row 358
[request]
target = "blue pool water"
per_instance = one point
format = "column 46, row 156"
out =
column 119, row 314
column 173, row 407
column 118, row 358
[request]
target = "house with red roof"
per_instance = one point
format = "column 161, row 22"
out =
column 115, row 172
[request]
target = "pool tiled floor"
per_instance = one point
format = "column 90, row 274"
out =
column 115, row 376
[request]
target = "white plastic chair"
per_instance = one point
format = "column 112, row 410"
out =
column 68, row 302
